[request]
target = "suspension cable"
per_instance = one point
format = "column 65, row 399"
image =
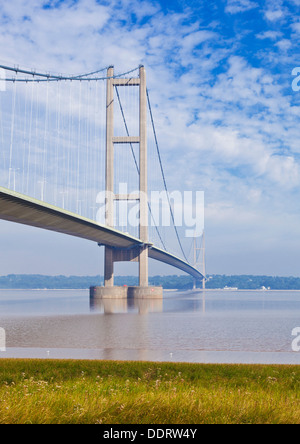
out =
column 163, row 176
column 55, row 78
column 87, row 77
column 136, row 163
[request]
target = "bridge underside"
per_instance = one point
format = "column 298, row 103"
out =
column 21, row 209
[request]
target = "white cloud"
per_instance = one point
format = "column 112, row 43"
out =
column 296, row 27
column 223, row 124
column 237, row 6
column 276, row 10
column 272, row 35
column 274, row 14
column 284, row 44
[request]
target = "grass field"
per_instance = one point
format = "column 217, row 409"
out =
column 109, row 392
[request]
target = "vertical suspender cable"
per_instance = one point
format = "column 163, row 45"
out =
column 164, row 179
column 136, row 164
column 12, row 133
column 29, row 141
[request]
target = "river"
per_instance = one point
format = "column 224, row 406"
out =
column 212, row 326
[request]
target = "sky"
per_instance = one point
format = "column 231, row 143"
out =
column 220, row 75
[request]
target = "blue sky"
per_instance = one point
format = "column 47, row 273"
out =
column 220, row 76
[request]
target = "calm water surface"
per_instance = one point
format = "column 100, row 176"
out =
column 211, row 326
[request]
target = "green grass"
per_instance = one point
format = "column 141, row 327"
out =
column 109, row 392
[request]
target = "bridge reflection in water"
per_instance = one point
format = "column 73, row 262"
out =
column 192, row 301
column 133, row 305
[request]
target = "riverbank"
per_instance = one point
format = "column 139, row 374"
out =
column 172, row 282
column 110, row 392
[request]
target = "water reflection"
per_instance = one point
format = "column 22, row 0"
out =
column 113, row 306
column 210, row 326
column 182, row 302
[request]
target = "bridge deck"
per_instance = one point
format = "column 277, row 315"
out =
column 18, row 208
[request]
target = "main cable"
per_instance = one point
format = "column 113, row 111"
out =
column 136, row 163
column 55, row 78
column 163, row 176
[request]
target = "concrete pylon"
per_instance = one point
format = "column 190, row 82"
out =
column 112, row 254
column 109, row 176
column 143, row 259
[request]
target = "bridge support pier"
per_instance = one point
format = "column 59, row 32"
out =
column 118, row 292
column 111, row 291
column 114, row 292
column 113, row 254
column 148, row 292
column 108, row 267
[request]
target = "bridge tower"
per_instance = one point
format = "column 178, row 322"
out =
column 199, row 258
column 139, row 254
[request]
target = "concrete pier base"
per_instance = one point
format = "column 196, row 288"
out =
column 108, row 292
column 145, row 292
column 126, row 292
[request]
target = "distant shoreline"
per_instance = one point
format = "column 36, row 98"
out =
column 168, row 290
column 169, row 282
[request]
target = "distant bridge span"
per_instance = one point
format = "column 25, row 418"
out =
column 16, row 207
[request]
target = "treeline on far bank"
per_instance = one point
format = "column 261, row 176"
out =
column 184, row 282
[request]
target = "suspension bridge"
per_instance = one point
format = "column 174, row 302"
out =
column 75, row 154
